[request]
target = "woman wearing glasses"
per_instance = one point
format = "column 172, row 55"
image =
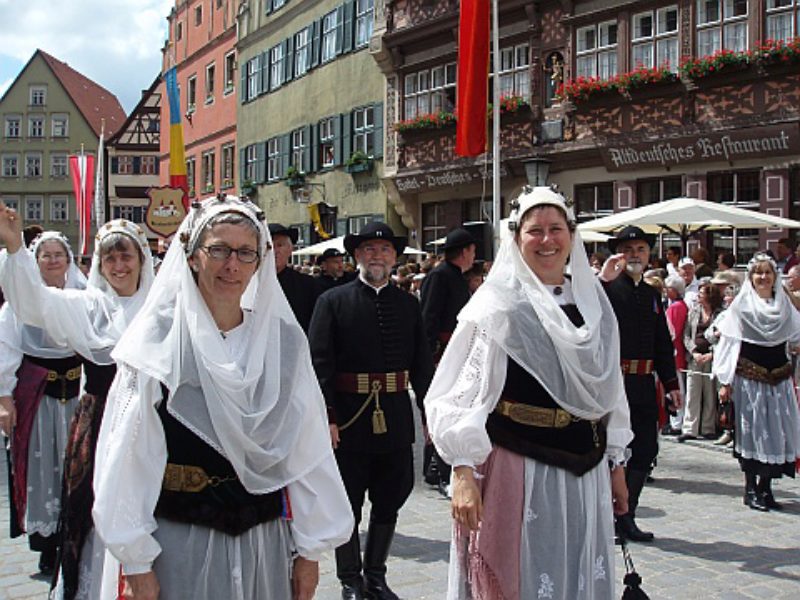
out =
column 215, row 477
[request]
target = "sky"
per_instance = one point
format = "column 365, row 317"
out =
column 115, row 43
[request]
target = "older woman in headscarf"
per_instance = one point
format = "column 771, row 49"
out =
column 529, row 407
column 215, row 475
column 754, row 371
column 39, row 384
column 90, row 322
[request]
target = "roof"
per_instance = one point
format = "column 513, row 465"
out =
column 93, row 101
column 136, row 110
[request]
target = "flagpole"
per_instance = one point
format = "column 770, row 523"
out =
column 496, row 124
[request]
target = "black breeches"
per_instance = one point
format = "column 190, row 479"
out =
column 641, row 392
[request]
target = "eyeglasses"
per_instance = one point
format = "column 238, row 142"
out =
column 221, row 252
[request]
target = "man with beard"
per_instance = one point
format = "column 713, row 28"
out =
column 300, row 290
column 645, row 348
column 332, row 264
column 368, row 343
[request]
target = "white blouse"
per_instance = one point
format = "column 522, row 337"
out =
column 131, row 458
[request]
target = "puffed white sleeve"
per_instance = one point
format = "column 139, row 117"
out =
column 618, row 430
column 465, row 389
column 129, row 469
column 321, row 515
column 726, row 351
column 10, row 352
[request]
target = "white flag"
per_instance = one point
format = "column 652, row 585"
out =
column 99, row 193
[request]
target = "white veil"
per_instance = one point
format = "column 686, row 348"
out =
column 578, row 366
column 75, row 279
column 267, row 419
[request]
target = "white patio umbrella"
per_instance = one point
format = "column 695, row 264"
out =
column 686, row 216
column 338, row 244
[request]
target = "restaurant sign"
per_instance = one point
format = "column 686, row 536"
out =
column 728, row 146
column 428, row 182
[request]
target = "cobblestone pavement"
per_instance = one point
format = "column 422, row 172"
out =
column 708, row 545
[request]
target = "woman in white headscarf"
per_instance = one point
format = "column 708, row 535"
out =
column 753, row 368
column 528, row 406
column 215, row 475
column 89, row 322
column 39, row 384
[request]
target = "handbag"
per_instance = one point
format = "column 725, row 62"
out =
column 632, row 580
column 725, row 415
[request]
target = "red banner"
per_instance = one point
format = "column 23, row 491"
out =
column 473, row 77
column 81, row 169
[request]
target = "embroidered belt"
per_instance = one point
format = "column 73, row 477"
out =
column 70, row 375
column 364, row 383
column 535, row 416
column 637, row 366
column 750, row 370
column 189, row 478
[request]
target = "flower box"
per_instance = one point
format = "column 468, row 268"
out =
column 360, row 167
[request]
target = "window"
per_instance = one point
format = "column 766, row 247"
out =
column 226, row 165
column 210, row 73
column 594, row 200
column 207, row 170
column 178, row 31
column 783, row 19
column 230, row 67
column 430, row 91
column 190, row 176
column 33, row 164
column 329, row 46
column 191, row 94
column 273, row 159
column 434, row 224
column 276, row 67
column 35, row 126
column 276, row 4
column 298, row 148
column 198, row 15
column 12, row 202
column 365, row 10
column 59, row 210
column 125, row 165
column 356, row 224
column 721, row 24
column 33, row 208
column 363, row 130
column 253, row 69
column 302, row 48
column 149, row 165
column 59, row 126
column 596, row 49
column 13, row 126
column 739, row 188
column 652, row 191
column 38, row 95
column 134, row 214
column 327, row 134
column 10, row 165
column 58, row 165
column 655, row 38
column 251, row 162
column 515, row 77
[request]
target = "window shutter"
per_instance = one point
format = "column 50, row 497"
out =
column 316, row 41
column 114, row 165
column 377, row 132
column 337, row 141
column 261, row 153
column 314, row 129
column 339, row 28
column 288, row 59
column 268, row 4
column 341, row 227
column 158, row 168
column 347, row 30
column 307, row 150
column 243, row 86
column 309, row 46
column 242, row 165
column 347, row 131
column 263, row 84
column 286, row 153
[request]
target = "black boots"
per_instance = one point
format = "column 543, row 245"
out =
column 758, row 496
column 625, row 525
column 348, row 568
column 379, row 540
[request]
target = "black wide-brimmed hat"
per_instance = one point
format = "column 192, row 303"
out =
column 374, row 230
column 630, row 233
column 329, row 253
column 278, row 229
column 458, row 238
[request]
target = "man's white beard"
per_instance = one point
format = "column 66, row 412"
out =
column 634, row 268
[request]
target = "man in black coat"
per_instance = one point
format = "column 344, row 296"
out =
column 444, row 293
column 367, row 344
column 645, row 348
column 300, row 290
column 331, row 262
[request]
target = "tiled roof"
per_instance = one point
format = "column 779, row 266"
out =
column 94, row 101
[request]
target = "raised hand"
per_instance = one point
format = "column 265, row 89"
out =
column 10, row 228
column 614, row 265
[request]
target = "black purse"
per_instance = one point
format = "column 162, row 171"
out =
column 632, row 580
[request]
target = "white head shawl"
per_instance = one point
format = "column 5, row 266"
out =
column 751, row 318
column 578, row 366
column 267, row 417
column 75, row 279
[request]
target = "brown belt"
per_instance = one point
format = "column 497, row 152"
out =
column 71, row 375
column 364, row 383
column 637, row 366
column 189, row 478
column 535, row 416
column 750, row 370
